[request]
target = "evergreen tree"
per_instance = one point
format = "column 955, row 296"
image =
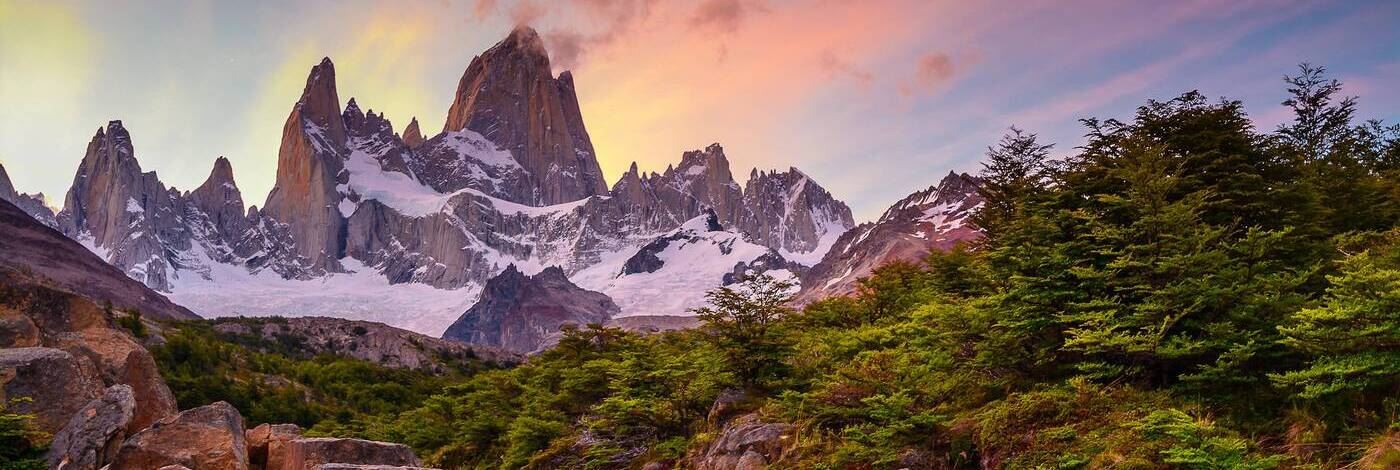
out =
column 1353, row 338
column 1321, row 123
column 1345, row 165
column 1013, row 173
column 743, row 320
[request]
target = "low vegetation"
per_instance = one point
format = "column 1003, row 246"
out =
column 271, row 380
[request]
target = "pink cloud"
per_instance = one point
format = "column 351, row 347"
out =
column 721, row 15
column 483, row 8
column 931, row 72
column 839, row 67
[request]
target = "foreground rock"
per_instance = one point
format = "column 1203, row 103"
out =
column 745, row 443
column 312, row 453
column 53, row 380
column 121, row 360
column 210, row 437
column 91, row 438
column 348, row 466
column 267, row 440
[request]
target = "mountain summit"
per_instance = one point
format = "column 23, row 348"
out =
column 309, row 166
column 509, row 96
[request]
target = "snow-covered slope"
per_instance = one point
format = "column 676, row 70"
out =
column 360, row 294
column 671, row 274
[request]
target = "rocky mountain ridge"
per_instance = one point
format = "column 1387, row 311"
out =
column 30, row 249
column 936, row 218
column 517, row 312
column 32, row 204
column 512, row 179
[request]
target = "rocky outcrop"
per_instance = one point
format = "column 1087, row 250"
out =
column 509, row 95
column 121, row 360
column 654, row 323
column 310, row 164
column 267, row 445
column 933, row 219
column 27, row 246
column 702, row 181
column 745, row 443
column 53, row 383
column 349, row 466
column 312, row 453
column 91, row 438
column 368, row 341
column 412, row 137
column 787, row 211
column 221, row 203
column 517, row 312
column 208, row 437
column 32, row 204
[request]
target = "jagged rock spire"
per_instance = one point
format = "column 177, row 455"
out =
column 309, row 166
column 509, row 95
column 220, row 200
column 412, row 137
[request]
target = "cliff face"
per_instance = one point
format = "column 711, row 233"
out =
column 131, row 215
column 219, row 199
column 310, row 164
column 793, row 214
column 508, row 95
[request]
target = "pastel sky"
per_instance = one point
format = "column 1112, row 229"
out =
column 874, row 98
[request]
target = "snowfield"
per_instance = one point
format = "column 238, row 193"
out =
column 363, row 294
column 691, row 267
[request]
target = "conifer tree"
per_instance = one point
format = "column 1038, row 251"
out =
column 1353, row 337
column 743, row 318
column 1013, row 173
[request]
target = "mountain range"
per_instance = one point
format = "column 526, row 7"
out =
column 367, row 223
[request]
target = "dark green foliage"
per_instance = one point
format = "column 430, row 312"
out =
column 743, row 319
column 1351, row 339
column 132, row 322
column 21, row 447
column 202, row 367
column 1013, row 175
column 631, row 395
